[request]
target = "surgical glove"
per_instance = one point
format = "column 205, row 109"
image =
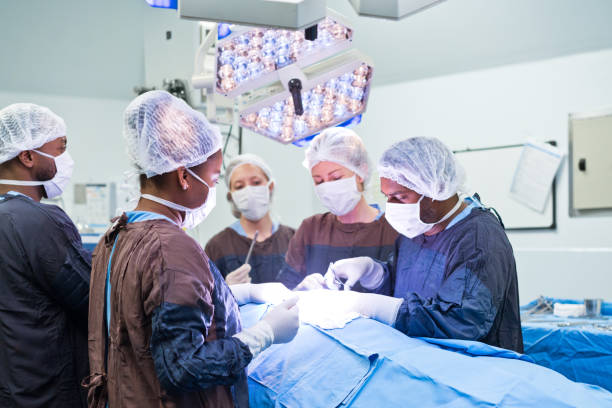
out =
column 379, row 307
column 311, row 282
column 242, row 293
column 279, row 325
column 363, row 269
column 272, row 292
column 239, row 275
column 284, row 320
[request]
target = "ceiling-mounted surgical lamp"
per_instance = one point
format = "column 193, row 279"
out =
column 329, row 93
column 391, row 9
column 248, row 58
column 288, row 14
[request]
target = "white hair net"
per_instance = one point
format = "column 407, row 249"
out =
column 163, row 133
column 341, row 146
column 424, row 165
column 247, row 158
column 25, row 126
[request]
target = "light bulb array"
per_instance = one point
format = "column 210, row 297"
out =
column 246, row 56
column 326, row 104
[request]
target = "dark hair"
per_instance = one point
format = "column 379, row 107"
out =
column 157, row 180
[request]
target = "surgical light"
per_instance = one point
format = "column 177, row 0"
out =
column 288, row 14
column 291, row 14
column 333, row 92
column 347, row 124
column 223, row 30
column 391, row 9
column 249, row 58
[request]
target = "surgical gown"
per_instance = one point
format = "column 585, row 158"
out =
column 229, row 248
column 322, row 239
column 44, row 293
column 172, row 321
column 460, row 283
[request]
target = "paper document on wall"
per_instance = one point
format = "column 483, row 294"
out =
column 535, row 173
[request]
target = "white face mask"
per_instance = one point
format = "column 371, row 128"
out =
column 339, row 196
column 54, row 187
column 406, row 218
column 193, row 216
column 253, row 201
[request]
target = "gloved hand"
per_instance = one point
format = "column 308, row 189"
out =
column 272, row 292
column 279, row 325
column 239, row 275
column 363, row 269
column 311, row 282
column 284, row 320
column 377, row 307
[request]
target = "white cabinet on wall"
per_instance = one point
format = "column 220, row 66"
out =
column 590, row 147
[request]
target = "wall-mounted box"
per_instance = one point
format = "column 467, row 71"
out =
column 590, row 159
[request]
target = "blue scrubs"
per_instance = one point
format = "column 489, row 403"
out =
column 460, row 283
column 44, row 300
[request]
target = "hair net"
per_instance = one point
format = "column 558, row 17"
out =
column 342, row 146
column 247, row 158
column 163, row 133
column 25, row 126
column 424, row 165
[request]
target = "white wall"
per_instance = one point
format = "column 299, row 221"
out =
column 72, row 47
column 507, row 105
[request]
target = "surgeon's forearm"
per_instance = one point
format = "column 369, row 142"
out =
column 257, row 338
column 242, row 293
column 443, row 320
column 184, row 360
column 379, row 307
column 70, row 285
column 289, row 277
column 386, row 287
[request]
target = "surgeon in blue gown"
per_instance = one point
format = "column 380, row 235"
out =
column 44, row 270
column 454, row 273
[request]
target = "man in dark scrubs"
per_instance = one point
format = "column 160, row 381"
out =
column 44, row 270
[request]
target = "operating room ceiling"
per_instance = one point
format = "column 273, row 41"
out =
column 464, row 35
column 52, row 49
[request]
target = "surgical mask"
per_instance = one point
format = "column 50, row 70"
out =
column 406, row 218
column 54, row 187
column 253, row 201
column 339, row 196
column 193, row 216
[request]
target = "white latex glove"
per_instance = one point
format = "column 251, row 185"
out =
column 377, row 307
column 279, row 325
column 363, row 269
column 239, row 275
column 311, row 282
column 272, row 292
column 284, row 320
column 242, row 293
